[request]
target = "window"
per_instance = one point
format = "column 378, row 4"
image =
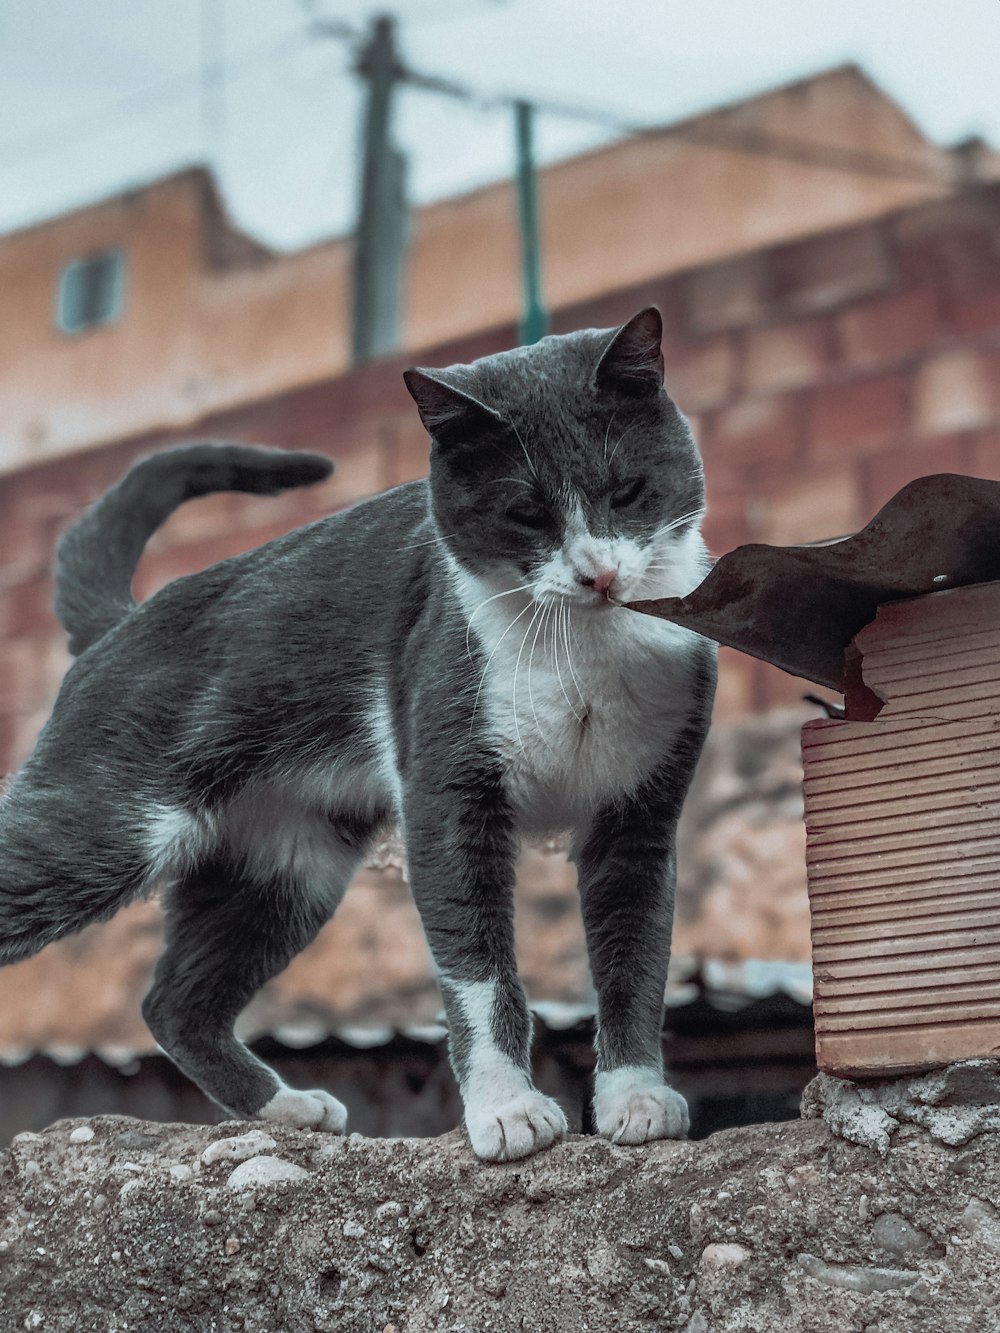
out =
column 90, row 291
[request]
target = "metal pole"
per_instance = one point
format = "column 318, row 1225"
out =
column 380, row 238
column 535, row 322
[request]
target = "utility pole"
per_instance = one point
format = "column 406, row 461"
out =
column 380, row 237
column 535, row 321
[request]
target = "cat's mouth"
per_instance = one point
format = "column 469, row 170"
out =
column 600, row 601
column 600, row 589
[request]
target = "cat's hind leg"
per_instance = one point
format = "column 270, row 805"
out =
column 232, row 925
column 70, row 854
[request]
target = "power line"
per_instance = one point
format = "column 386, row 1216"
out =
column 447, row 11
column 182, row 88
column 787, row 147
column 758, row 143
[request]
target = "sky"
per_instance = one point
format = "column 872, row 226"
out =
column 100, row 95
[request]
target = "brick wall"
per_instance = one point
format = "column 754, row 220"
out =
column 820, row 376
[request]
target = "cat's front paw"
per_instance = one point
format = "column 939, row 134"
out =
column 315, row 1109
column 635, row 1106
column 523, row 1125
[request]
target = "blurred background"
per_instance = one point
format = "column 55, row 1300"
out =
column 243, row 218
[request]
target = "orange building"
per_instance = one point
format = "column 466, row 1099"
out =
column 149, row 310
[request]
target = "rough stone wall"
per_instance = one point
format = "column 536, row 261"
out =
column 122, row 1225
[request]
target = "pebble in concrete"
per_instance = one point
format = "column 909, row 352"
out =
column 238, row 1148
column 264, row 1171
column 855, row 1277
column 893, row 1232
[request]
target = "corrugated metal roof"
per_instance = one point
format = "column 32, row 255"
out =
column 698, row 987
column 741, row 896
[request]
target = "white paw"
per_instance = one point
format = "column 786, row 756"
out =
column 518, row 1127
column 305, row 1110
column 635, row 1106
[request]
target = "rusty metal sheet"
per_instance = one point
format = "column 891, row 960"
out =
column 800, row 606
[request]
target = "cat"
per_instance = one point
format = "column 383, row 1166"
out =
column 453, row 655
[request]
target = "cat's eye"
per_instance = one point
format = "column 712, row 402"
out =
column 628, row 493
column 529, row 516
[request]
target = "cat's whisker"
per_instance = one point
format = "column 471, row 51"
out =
column 569, row 656
column 667, row 563
column 676, row 523
column 552, row 622
column 558, row 609
column 546, row 609
column 441, row 537
column 607, row 433
column 682, row 519
column 660, row 574
column 615, row 449
column 521, row 443
column 517, row 667
column 482, row 679
column 515, row 481
column 468, row 628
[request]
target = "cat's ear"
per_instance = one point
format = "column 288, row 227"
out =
column 633, row 361
column 448, row 413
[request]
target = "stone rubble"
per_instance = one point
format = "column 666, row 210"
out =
column 954, row 1104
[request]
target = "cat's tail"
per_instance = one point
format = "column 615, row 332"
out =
column 97, row 557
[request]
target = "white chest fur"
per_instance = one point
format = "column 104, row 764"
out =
column 580, row 702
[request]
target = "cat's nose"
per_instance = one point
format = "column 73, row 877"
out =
column 600, row 582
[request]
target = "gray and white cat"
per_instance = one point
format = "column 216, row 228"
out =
column 450, row 655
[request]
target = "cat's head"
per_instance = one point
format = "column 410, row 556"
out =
column 565, row 467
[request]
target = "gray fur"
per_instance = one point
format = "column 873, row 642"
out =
column 244, row 734
column 98, row 556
